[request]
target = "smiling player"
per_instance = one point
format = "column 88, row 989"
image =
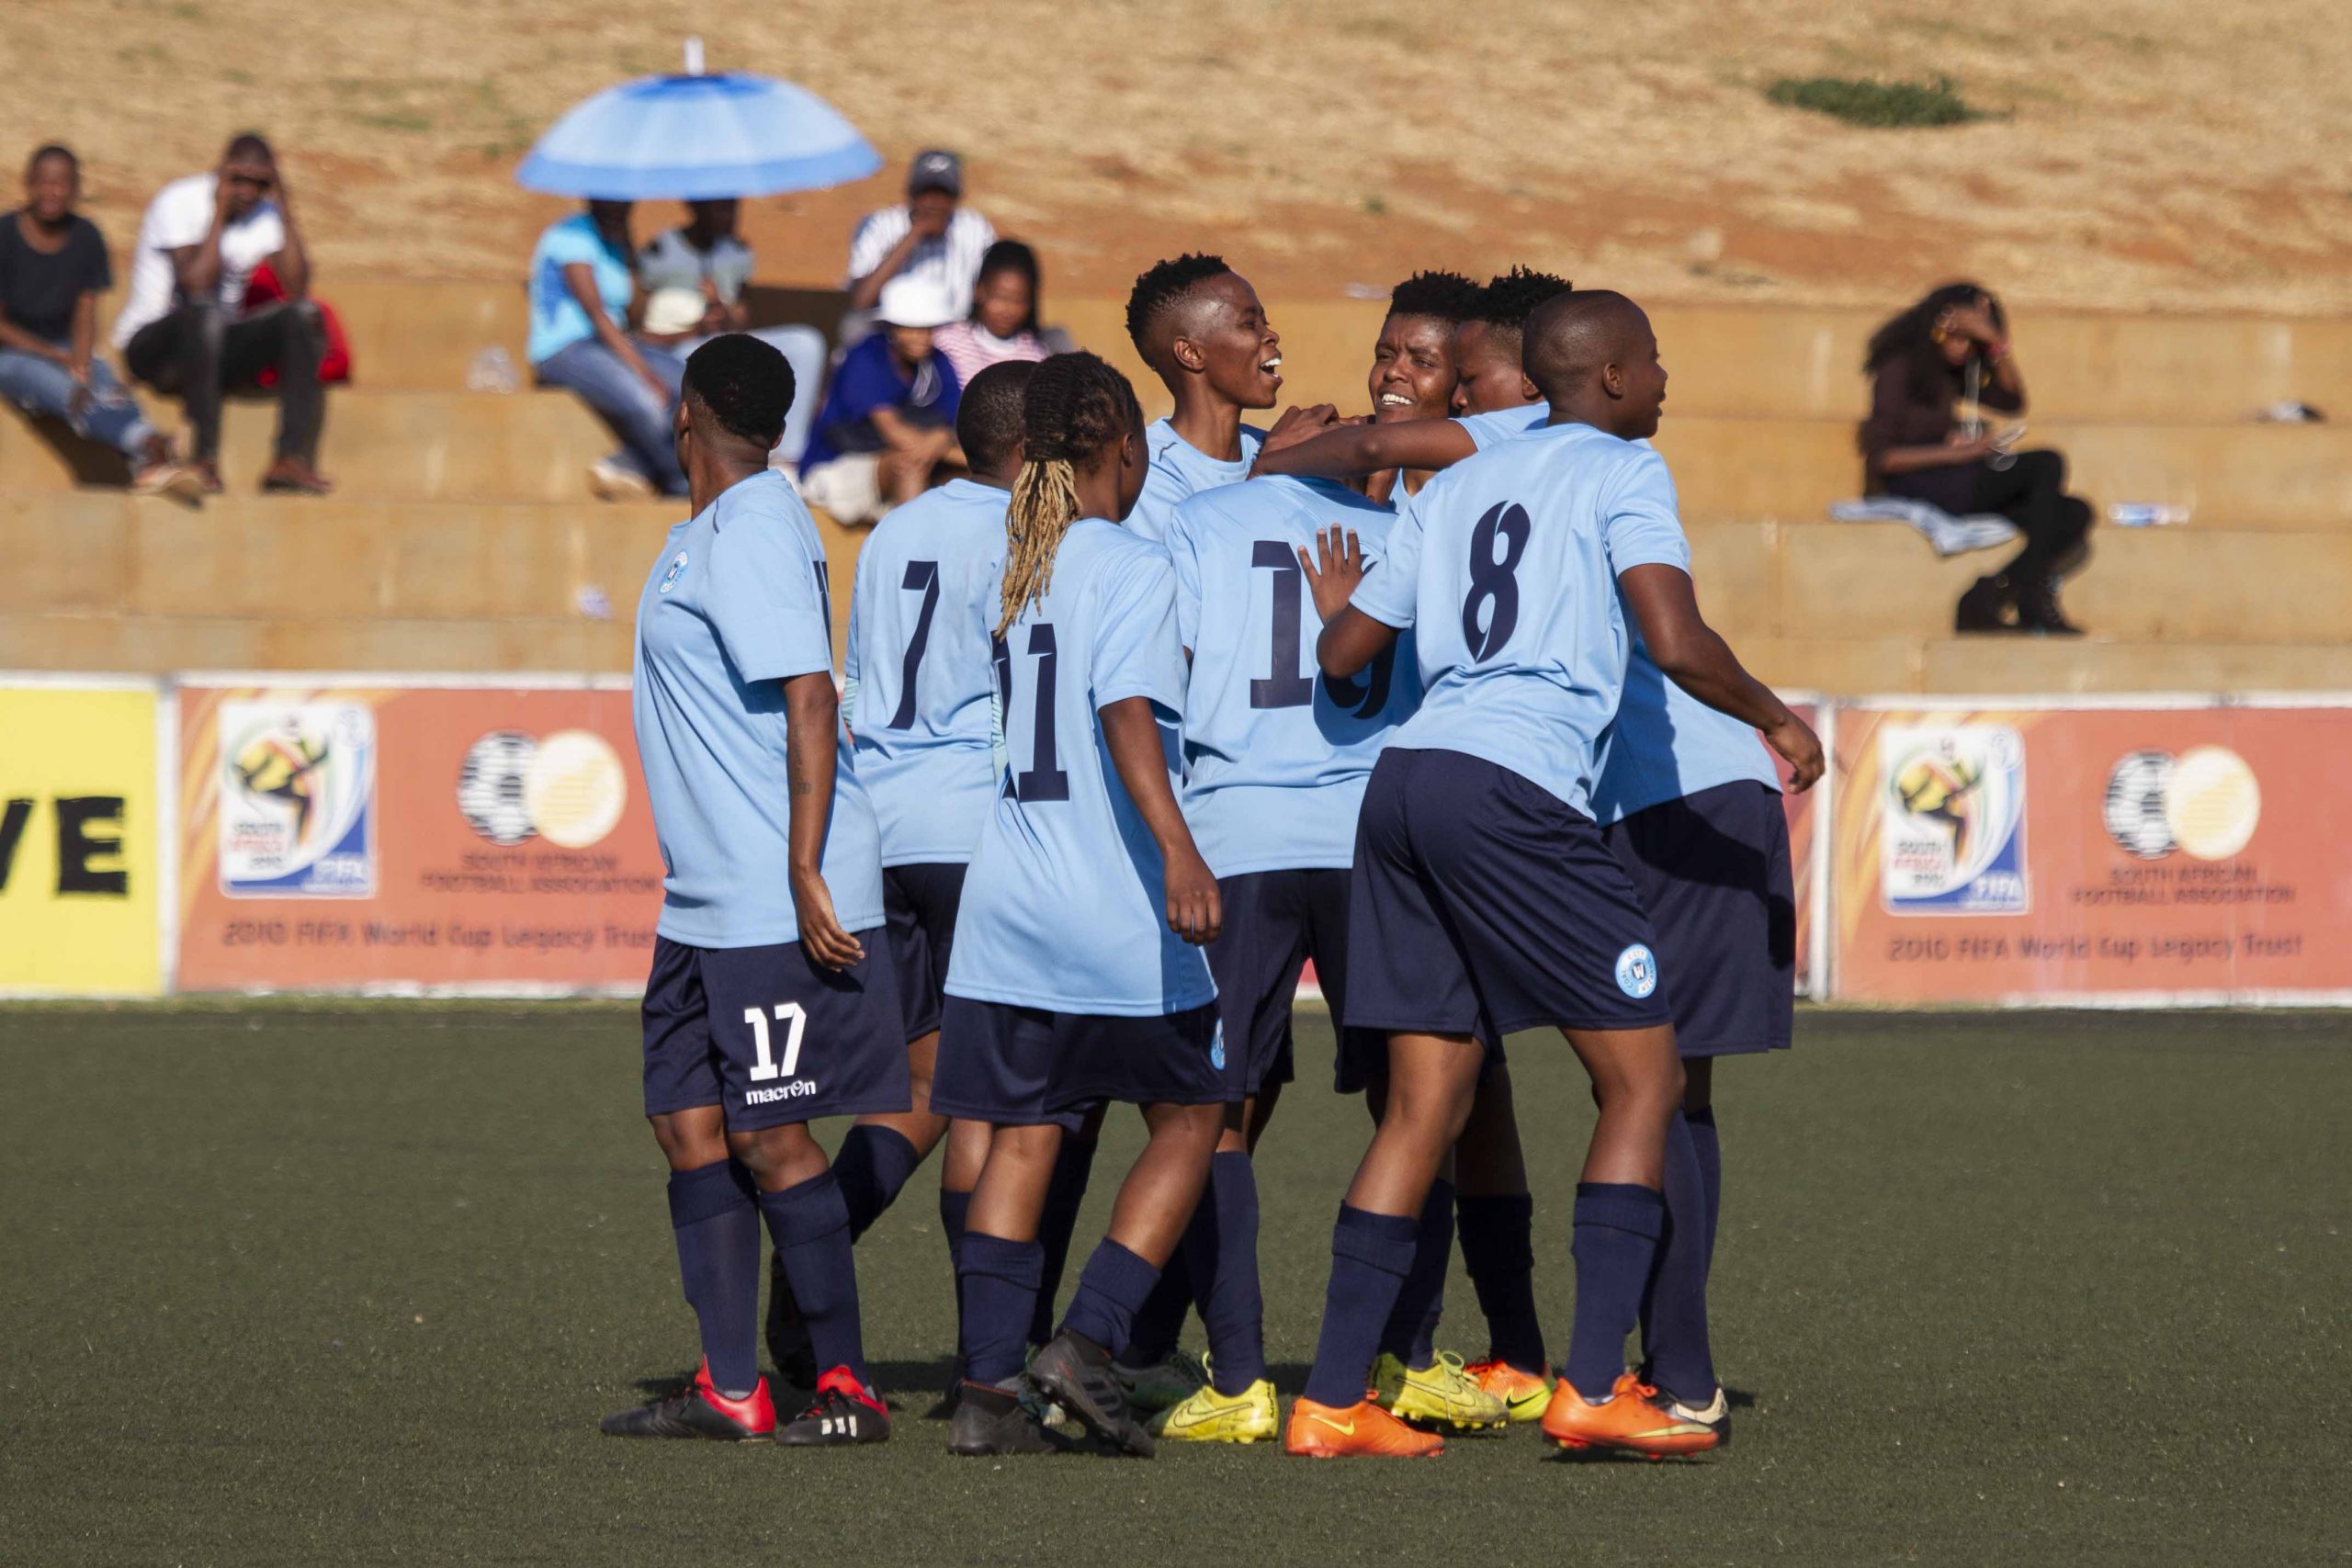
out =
column 1485, row 900
column 1200, row 327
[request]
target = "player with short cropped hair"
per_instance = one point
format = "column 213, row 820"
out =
column 1275, row 762
column 765, row 1009
column 1485, row 900
column 1077, row 976
column 1200, row 327
column 917, row 694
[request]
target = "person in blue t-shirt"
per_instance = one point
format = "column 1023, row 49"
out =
column 887, row 424
column 1485, row 900
column 765, row 1009
column 581, row 287
column 1077, row 976
column 1200, row 327
column 918, row 698
column 1689, row 801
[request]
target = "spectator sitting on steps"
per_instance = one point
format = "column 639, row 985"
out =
column 888, row 421
column 1951, row 347
column 704, row 257
column 934, row 237
column 52, row 269
column 181, row 333
column 1002, row 324
column 582, row 290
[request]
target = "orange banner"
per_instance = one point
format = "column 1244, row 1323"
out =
column 1804, row 846
column 418, row 838
column 2111, row 853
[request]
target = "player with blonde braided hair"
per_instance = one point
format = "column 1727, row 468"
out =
column 1078, row 977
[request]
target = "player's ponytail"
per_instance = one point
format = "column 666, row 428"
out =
column 1076, row 408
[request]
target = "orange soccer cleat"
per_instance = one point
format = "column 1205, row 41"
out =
column 1360, row 1431
column 1630, row 1419
column 1524, row 1394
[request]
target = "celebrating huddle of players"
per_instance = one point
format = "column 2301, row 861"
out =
column 1136, row 719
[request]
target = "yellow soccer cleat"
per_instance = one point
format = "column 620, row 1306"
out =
column 1524, row 1394
column 1441, row 1394
column 1208, row 1417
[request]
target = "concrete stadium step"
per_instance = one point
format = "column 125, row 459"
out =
column 2155, row 585
column 1755, row 360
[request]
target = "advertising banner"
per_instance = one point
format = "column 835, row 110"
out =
column 80, row 836
column 409, row 837
column 2136, row 850
column 1808, row 855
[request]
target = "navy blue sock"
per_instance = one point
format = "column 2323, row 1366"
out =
column 810, row 1224
column 1674, row 1304
column 1617, row 1231
column 1221, row 1251
column 1160, row 1322
column 875, row 1162
column 1710, row 1150
column 1371, row 1254
column 1410, row 1334
column 996, row 1287
column 1065, row 1191
column 1112, row 1289
column 1498, row 1251
column 716, row 1216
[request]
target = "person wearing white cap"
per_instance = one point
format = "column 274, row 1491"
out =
column 888, row 421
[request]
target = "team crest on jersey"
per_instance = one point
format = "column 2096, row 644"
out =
column 1638, row 972
column 670, row 577
column 1217, row 1047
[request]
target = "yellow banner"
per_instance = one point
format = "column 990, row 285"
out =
column 78, row 860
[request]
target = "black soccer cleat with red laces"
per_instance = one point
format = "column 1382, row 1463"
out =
column 698, row 1410
column 846, row 1412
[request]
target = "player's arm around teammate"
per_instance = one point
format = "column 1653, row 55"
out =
column 765, row 1009
column 1077, row 976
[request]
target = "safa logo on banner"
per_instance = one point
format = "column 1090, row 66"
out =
column 298, row 800
column 1952, row 827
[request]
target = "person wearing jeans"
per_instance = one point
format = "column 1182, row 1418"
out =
column 705, row 258
column 52, row 269
column 581, row 287
column 182, row 330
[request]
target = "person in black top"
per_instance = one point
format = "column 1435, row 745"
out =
column 1953, row 347
column 52, row 269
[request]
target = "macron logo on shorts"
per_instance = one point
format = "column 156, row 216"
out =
column 1636, row 971
column 798, row 1088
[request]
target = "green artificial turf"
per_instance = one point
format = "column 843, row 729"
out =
column 293, row 1285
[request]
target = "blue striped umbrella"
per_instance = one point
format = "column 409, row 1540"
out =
column 693, row 137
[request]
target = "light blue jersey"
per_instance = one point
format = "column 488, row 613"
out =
column 1665, row 744
column 735, row 605
column 919, row 680
column 1179, row 471
column 1501, row 424
column 1505, row 567
column 1276, row 754
column 1065, row 906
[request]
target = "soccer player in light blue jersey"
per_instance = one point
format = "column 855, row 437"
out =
column 1485, row 900
column 1486, row 1181
column 917, row 699
column 1200, row 327
column 1078, row 975
column 767, row 1006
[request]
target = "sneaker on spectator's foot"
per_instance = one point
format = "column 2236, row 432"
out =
column 614, row 481
column 170, row 479
column 291, row 476
column 208, row 474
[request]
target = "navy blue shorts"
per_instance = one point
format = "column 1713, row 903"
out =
column 1713, row 870
column 770, row 1037
column 1025, row 1066
column 1275, row 921
column 1482, row 905
column 919, row 902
